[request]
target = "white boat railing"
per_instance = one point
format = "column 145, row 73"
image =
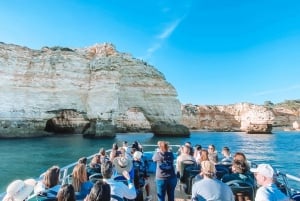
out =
column 286, row 179
column 65, row 171
column 64, row 176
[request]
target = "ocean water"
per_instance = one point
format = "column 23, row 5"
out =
column 28, row 158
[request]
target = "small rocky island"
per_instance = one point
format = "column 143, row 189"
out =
column 97, row 92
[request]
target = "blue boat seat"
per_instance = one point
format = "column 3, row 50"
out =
column 243, row 188
column 221, row 170
column 186, row 166
column 95, row 177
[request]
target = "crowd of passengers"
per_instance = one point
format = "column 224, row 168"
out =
column 123, row 175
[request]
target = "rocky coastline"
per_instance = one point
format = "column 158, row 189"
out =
column 97, row 92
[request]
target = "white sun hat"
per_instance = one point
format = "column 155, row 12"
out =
column 19, row 190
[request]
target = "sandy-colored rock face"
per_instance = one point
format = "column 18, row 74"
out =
column 61, row 88
column 239, row 117
column 235, row 117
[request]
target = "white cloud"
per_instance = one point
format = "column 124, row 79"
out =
column 170, row 29
column 165, row 34
column 155, row 47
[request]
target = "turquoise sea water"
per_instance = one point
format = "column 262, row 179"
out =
column 24, row 158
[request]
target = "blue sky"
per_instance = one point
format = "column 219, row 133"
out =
column 211, row 51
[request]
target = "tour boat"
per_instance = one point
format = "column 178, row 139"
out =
column 287, row 182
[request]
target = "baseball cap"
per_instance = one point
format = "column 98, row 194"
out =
column 263, row 169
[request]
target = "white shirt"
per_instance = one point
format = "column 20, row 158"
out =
column 270, row 193
column 120, row 189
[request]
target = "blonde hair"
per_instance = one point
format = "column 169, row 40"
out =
column 79, row 176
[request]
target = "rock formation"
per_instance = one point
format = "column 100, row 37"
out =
column 255, row 128
column 95, row 91
column 244, row 117
column 98, row 92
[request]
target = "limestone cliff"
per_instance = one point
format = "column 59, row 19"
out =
column 95, row 91
column 240, row 117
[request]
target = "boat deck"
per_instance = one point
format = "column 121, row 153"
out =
column 179, row 195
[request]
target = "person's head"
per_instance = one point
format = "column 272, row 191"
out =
column 198, row 147
column 115, row 146
column 133, row 150
column 239, row 156
column 226, row 151
column 66, row 193
column 125, row 144
column 19, row 190
column 186, row 149
column 99, row 192
column 82, row 160
column 211, row 148
column 208, row 169
column 264, row 174
column 239, row 167
column 122, row 151
column 136, row 145
column 102, row 152
column 204, row 155
column 51, row 177
column 107, row 169
column 137, row 155
column 163, row 146
column 189, row 144
column 95, row 161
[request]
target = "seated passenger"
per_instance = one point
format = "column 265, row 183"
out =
column 95, row 163
column 197, row 152
column 50, row 182
column 19, row 190
column 264, row 175
column 212, row 154
column 80, row 181
column 66, row 193
column 114, row 152
column 94, row 166
column 184, row 156
column 99, row 192
column 103, row 156
column 241, row 157
column 118, row 189
column 239, row 172
column 209, row 188
column 227, row 160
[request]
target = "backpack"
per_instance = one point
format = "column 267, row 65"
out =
column 167, row 162
column 139, row 174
